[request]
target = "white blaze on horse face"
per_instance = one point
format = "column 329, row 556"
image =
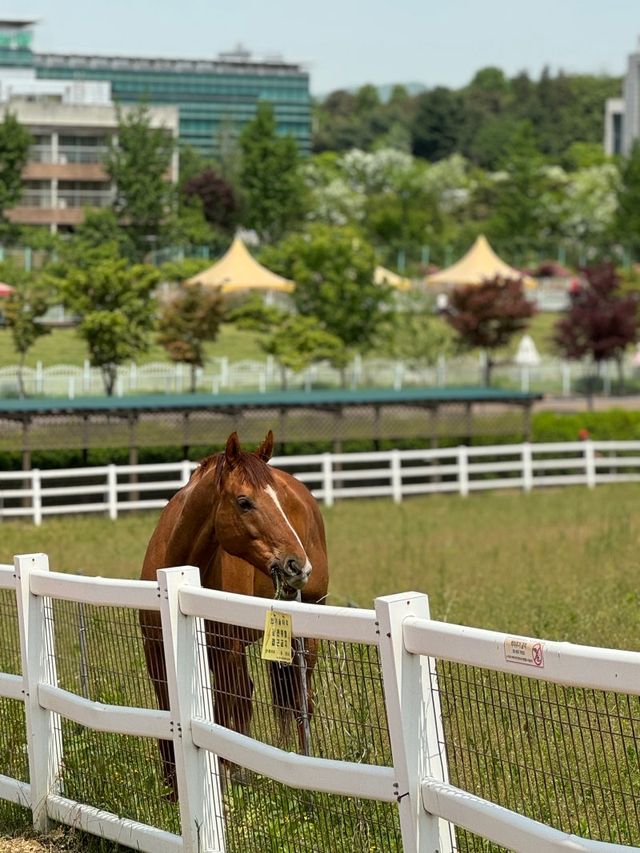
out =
column 274, row 497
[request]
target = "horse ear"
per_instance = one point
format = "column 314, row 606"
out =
column 265, row 451
column 232, row 450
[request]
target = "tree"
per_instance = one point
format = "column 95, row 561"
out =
column 112, row 299
column 413, row 332
column 295, row 341
column 600, row 321
column 22, row 312
column 437, row 122
column 270, row 177
column 488, row 315
column 219, row 204
column 187, row 321
column 14, row 150
column 138, row 164
column 333, row 269
column 628, row 216
column 517, row 211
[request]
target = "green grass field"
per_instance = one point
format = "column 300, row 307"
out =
column 561, row 563
column 64, row 346
column 555, row 564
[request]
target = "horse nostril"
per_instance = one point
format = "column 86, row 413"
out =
column 292, row 566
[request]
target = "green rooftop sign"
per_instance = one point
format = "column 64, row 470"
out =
column 20, row 40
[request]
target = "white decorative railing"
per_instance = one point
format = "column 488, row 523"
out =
column 65, row 380
column 409, row 643
column 113, row 489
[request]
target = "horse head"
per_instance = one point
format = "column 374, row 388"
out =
column 251, row 518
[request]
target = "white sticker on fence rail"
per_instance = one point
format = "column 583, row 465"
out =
column 528, row 652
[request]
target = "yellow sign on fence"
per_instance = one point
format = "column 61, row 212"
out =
column 276, row 645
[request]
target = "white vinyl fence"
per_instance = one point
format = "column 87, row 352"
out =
column 409, row 643
column 552, row 375
column 113, row 489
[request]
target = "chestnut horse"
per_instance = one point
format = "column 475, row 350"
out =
column 251, row 529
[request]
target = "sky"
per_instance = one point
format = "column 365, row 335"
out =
column 346, row 43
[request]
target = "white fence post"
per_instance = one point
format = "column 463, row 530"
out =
column 566, row 379
column 415, row 723
column 527, row 467
column 112, row 492
column 463, row 470
column 327, row 479
column 185, row 471
column 44, row 745
column 590, row 463
column 396, row 476
column 36, row 496
column 188, row 682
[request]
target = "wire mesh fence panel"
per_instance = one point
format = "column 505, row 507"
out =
column 340, row 715
column 9, row 633
column 568, row 757
column 13, row 735
column 99, row 656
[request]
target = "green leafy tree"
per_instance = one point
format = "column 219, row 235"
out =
column 101, row 227
column 112, row 300
column 187, row 322
column 413, row 332
column 487, row 315
column 270, row 177
column 437, row 122
column 22, row 312
column 628, row 216
column 295, row 341
column 517, row 209
column 138, row 164
column 14, row 150
column 333, row 269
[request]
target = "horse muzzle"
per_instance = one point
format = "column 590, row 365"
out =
column 289, row 576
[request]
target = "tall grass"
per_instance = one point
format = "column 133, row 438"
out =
column 552, row 564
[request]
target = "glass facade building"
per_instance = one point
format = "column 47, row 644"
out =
column 215, row 98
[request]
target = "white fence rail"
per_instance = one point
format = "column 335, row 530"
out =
column 408, row 641
column 65, row 380
column 113, row 489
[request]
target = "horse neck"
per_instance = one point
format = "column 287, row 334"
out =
column 193, row 538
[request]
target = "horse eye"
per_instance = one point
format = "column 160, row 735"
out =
column 244, row 502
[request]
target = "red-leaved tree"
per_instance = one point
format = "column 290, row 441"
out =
column 487, row 316
column 600, row 321
column 219, row 202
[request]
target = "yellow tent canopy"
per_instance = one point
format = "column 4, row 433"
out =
column 382, row 275
column 478, row 265
column 237, row 270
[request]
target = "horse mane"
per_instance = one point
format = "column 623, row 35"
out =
column 256, row 472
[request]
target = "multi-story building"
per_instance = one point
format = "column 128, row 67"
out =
column 622, row 115
column 65, row 174
column 215, row 97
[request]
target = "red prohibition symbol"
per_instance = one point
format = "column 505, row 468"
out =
column 537, row 655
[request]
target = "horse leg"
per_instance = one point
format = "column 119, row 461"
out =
column 305, row 660
column 156, row 667
column 233, row 687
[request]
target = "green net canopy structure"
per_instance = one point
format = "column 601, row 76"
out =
column 324, row 417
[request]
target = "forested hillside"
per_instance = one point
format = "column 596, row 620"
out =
column 479, row 121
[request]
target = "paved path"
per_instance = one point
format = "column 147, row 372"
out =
column 579, row 404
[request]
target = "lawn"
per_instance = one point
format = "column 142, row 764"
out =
column 555, row 564
column 64, row 346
